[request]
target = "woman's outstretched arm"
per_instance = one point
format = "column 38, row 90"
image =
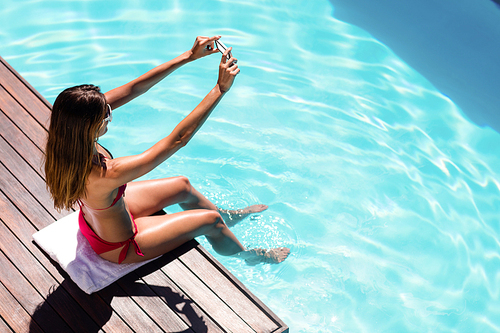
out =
column 125, row 169
column 119, row 96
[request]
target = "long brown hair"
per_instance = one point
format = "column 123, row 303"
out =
column 76, row 117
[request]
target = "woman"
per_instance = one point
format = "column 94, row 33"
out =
column 115, row 212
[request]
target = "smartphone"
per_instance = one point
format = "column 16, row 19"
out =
column 222, row 48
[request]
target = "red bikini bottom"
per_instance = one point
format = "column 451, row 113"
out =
column 99, row 245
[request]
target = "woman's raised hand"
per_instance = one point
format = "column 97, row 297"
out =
column 203, row 46
column 228, row 69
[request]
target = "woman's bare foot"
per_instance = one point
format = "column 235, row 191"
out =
column 232, row 217
column 271, row 256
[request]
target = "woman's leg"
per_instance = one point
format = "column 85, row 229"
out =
column 160, row 234
column 147, row 197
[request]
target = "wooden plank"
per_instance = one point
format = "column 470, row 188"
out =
column 33, row 259
column 237, row 298
column 99, row 309
column 26, row 123
column 26, row 83
column 166, row 290
column 19, row 227
column 28, row 97
column 27, row 176
column 152, row 305
column 196, row 290
column 282, row 327
column 126, row 308
column 24, row 260
column 28, row 297
column 21, row 143
column 15, row 316
column 24, row 202
column 60, row 297
column 3, row 325
column 41, row 283
column 189, row 311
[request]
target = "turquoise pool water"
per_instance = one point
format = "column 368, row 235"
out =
column 387, row 195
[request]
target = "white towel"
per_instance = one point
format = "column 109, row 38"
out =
column 65, row 243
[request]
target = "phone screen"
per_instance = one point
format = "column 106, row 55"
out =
column 222, row 48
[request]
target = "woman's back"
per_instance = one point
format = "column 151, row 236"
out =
column 106, row 211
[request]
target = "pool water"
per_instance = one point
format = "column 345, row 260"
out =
column 388, row 197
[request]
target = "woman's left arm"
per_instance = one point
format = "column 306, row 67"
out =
column 119, row 96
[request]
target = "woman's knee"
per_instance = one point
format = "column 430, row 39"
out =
column 214, row 218
column 213, row 222
column 184, row 186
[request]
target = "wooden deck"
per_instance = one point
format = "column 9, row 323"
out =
column 186, row 290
